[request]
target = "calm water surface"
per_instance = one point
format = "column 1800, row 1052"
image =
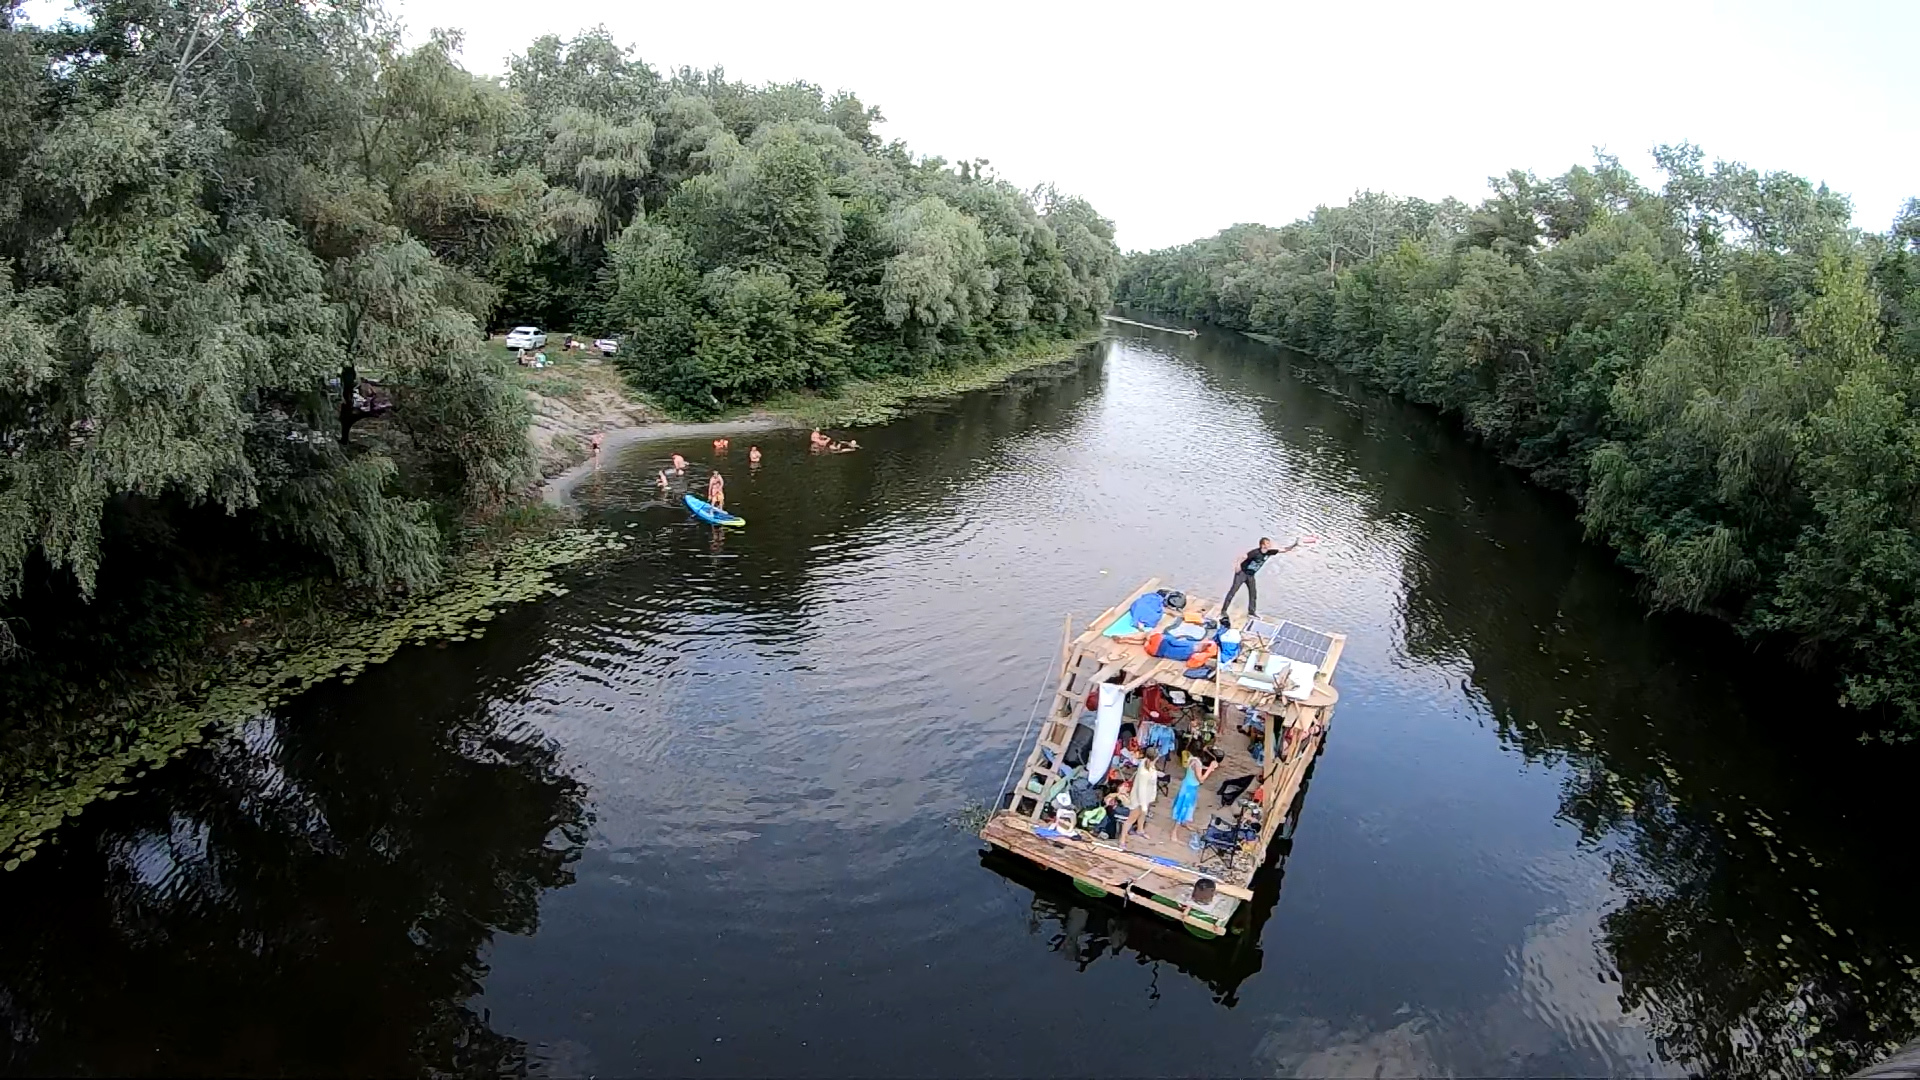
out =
column 696, row 816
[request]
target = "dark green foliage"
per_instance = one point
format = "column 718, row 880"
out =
column 782, row 248
column 1723, row 372
column 248, row 247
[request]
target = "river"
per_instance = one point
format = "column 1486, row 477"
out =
column 696, row 817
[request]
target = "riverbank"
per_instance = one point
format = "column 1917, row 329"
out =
column 863, row 403
column 581, row 396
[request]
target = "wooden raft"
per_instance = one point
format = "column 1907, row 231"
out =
column 1090, row 659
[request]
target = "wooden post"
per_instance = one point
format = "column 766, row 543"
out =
column 1266, row 735
column 1333, row 656
column 1219, row 669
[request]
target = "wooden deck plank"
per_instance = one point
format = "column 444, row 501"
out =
column 1084, row 857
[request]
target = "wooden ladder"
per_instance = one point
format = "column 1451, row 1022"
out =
column 1080, row 669
column 1077, row 668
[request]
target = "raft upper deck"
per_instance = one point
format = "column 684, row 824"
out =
column 1132, row 660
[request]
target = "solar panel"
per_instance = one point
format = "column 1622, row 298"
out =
column 1296, row 642
column 1259, row 628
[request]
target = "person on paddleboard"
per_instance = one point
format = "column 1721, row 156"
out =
column 717, row 492
column 1250, row 564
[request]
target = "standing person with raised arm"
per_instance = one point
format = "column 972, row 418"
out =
column 1250, row 564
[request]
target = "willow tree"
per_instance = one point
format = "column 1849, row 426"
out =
column 210, row 231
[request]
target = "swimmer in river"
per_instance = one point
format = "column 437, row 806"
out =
column 717, row 491
column 753, row 455
column 679, row 464
column 820, row 442
column 664, row 485
column 720, row 446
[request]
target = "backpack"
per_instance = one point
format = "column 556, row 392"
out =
column 1078, row 747
column 1083, row 794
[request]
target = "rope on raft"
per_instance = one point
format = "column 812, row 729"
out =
column 1021, row 745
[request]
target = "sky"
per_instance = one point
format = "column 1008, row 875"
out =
column 1179, row 119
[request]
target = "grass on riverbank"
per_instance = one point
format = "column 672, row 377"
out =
column 861, row 403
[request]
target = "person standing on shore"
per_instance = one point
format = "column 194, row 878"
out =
column 1250, row 564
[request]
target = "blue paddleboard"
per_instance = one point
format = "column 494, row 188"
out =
column 710, row 513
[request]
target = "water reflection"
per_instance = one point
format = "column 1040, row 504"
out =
column 313, row 897
column 693, row 817
column 1744, row 920
column 1085, row 929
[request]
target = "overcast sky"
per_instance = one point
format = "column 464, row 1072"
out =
column 1178, row 119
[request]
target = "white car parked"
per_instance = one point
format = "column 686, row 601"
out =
column 607, row 346
column 527, row 337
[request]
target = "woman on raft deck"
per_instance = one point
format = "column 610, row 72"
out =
column 1201, row 762
column 1146, row 787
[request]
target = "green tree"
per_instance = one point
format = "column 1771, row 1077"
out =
column 1721, row 371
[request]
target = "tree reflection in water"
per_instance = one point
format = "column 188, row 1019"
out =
column 1707, row 778
column 314, row 897
column 1752, row 847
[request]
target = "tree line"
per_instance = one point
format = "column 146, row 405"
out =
column 250, row 250
column 1724, row 372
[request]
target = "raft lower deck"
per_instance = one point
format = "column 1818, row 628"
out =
column 1132, row 874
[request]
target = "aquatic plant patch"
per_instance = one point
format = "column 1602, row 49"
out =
column 125, row 744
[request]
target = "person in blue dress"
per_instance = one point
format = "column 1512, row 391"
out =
column 1200, row 765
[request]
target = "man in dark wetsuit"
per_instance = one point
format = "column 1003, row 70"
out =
column 1250, row 565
